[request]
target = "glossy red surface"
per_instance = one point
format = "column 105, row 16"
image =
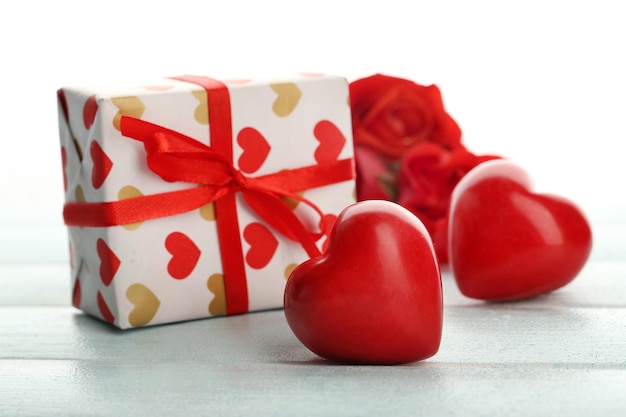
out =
column 508, row 243
column 375, row 296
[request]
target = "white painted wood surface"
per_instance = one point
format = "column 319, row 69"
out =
column 563, row 354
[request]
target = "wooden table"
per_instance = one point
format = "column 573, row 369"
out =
column 563, row 354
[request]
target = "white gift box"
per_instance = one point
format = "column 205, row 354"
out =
column 139, row 254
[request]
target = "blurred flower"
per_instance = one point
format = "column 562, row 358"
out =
column 390, row 115
column 375, row 178
column 426, row 179
column 408, row 149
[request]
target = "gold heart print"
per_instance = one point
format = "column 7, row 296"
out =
column 124, row 193
column 292, row 202
column 127, row 106
column 207, row 212
column 288, row 97
column 80, row 194
column 202, row 111
column 215, row 283
column 289, row 269
column 145, row 302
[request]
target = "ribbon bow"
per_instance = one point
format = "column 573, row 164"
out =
column 176, row 157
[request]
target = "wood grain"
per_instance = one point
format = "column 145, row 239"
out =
column 560, row 354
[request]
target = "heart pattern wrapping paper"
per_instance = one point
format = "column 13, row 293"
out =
column 169, row 269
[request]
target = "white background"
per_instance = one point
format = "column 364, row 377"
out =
column 540, row 82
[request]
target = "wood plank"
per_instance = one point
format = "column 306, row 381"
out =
column 559, row 354
column 196, row 388
column 478, row 335
column 600, row 284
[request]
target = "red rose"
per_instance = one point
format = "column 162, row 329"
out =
column 428, row 174
column 391, row 115
column 374, row 181
column 408, row 150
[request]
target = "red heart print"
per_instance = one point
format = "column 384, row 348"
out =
column 331, row 142
column 90, row 108
column 508, row 243
column 102, row 165
column 64, row 162
column 104, row 309
column 375, row 295
column 255, row 149
column 185, row 255
column 262, row 243
column 63, row 105
column 109, row 262
column 76, row 293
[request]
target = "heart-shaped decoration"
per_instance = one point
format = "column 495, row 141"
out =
column 128, row 106
column 64, row 164
column 71, row 253
column 289, row 269
column 262, row 243
column 104, row 309
column 66, row 116
column 508, row 243
column 145, row 302
column 90, row 109
column 76, row 293
column 201, row 114
column 63, row 105
column 126, row 192
column 207, row 212
column 375, row 295
column 331, row 142
column 215, row 284
column 288, row 97
column 292, row 202
column 79, row 194
column 109, row 262
column 255, row 149
column 102, row 165
column 185, row 255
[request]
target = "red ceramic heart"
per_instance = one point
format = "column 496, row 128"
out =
column 90, row 108
column 262, row 243
column 508, row 243
column 331, row 141
column 109, row 262
column 185, row 255
column 374, row 296
column 255, row 149
column 102, row 165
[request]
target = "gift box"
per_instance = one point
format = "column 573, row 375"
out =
column 190, row 197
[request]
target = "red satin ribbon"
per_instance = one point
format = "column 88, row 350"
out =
column 176, row 157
